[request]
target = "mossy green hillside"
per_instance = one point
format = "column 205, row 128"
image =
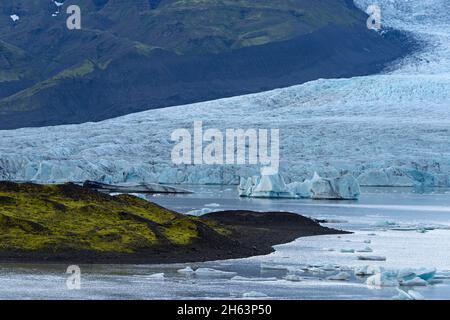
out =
column 62, row 218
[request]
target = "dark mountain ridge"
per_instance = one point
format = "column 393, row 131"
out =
column 140, row 55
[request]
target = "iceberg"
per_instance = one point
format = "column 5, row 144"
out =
column 416, row 282
column 268, row 185
column 186, row 271
column 345, row 187
column 272, row 185
column 367, row 270
column 157, row 276
column 293, row 278
column 383, row 279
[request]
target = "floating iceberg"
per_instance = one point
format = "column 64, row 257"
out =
column 341, row 276
column 186, row 271
column 272, row 185
column 345, row 187
column 293, row 278
column 157, row 276
column 268, row 185
column 383, row 279
column 416, row 282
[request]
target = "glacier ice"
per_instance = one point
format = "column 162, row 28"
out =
column 344, row 187
column 268, row 185
column 272, row 185
column 186, row 271
column 385, row 129
column 383, row 279
column 341, row 276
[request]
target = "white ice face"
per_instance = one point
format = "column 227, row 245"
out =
column 372, row 126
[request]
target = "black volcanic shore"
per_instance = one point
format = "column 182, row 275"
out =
column 72, row 224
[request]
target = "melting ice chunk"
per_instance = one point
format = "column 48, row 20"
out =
column 14, row 17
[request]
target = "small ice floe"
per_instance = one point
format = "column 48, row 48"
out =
column 341, row 276
column 293, row 278
column 367, row 270
column 269, row 184
column 157, row 276
column 416, row 282
column 402, row 277
column 58, row 4
column 208, row 272
column 186, row 271
column 212, row 205
column 254, row 294
column 366, row 249
column 245, row 279
column 372, row 258
column 410, row 295
column 383, row 279
column 14, row 17
column 347, row 250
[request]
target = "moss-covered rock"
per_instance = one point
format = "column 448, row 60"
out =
column 41, row 223
column 70, row 217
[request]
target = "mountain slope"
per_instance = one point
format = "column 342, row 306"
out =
column 151, row 54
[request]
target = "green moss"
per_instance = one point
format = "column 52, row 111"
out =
column 69, row 217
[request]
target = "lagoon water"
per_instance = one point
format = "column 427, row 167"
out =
column 394, row 221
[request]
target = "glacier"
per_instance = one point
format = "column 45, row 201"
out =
column 389, row 129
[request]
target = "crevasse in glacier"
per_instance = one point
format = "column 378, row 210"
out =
column 386, row 129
